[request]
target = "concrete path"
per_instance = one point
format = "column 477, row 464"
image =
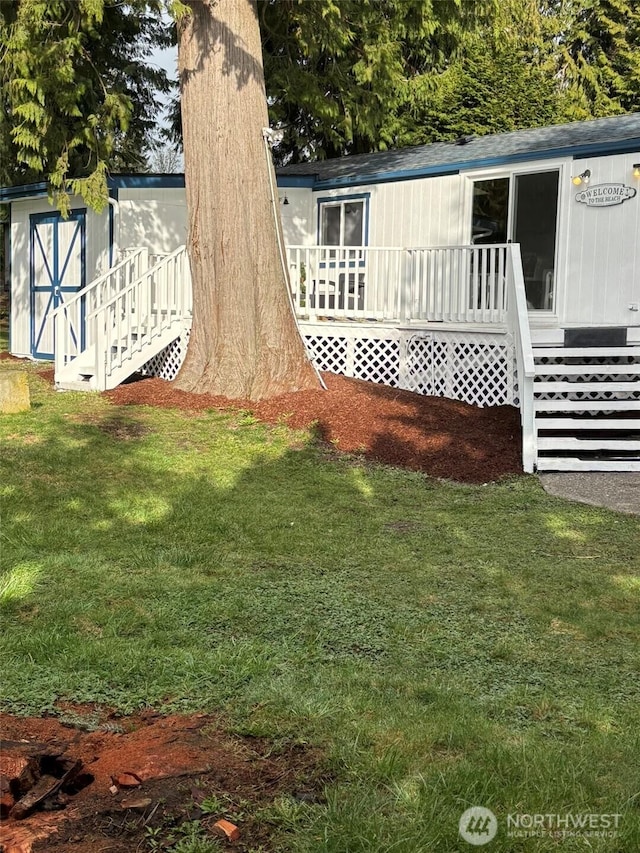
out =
column 619, row 491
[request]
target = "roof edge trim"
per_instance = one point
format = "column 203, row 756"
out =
column 622, row 146
column 141, row 181
column 292, row 181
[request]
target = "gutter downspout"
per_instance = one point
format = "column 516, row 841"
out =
column 114, row 226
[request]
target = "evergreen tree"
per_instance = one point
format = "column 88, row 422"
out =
column 78, row 93
column 340, row 73
column 598, row 54
column 504, row 79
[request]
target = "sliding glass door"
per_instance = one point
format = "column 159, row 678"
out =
column 522, row 208
column 534, row 225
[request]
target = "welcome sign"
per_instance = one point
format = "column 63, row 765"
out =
column 605, row 195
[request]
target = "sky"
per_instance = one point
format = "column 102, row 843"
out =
column 166, row 59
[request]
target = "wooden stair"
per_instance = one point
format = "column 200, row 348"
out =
column 586, row 403
column 132, row 353
column 133, row 312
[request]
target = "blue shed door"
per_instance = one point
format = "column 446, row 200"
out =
column 57, row 269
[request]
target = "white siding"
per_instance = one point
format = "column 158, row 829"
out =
column 97, row 260
column 155, row 218
column 424, row 212
column 598, row 249
column 419, row 213
column 297, row 216
column 603, row 269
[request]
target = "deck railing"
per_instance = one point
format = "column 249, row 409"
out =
column 153, row 258
column 457, row 284
column 121, row 311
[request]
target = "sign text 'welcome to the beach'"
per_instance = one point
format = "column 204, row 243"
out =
column 605, row 195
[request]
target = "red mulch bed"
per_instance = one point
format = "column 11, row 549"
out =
column 443, row 438
column 134, row 775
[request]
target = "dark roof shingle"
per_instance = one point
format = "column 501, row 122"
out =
column 517, row 145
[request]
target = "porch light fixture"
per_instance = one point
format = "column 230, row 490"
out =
column 284, row 200
column 582, row 179
column 636, row 170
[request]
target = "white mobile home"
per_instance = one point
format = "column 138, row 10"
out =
column 499, row 269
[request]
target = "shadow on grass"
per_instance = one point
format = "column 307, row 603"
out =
column 113, row 491
column 429, row 631
column 446, row 438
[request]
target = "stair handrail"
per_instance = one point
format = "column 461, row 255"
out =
column 129, row 260
column 518, row 319
column 152, row 270
column 66, row 348
column 133, row 308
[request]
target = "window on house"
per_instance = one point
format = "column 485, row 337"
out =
column 342, row 223
column 490, row 211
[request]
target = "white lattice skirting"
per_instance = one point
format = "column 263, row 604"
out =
column 475, row 367
column 168, row 362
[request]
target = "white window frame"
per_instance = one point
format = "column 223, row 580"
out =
column 536, row 316
column 341, row 202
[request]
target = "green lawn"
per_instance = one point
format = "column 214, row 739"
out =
column 446, row 645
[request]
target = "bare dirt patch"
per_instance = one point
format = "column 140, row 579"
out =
column 116, row 425
column 133, row 779
column 443, row 438
column 48, row 375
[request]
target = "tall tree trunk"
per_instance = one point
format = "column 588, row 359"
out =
column 244, row 340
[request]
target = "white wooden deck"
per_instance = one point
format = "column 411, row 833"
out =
column 439, row 321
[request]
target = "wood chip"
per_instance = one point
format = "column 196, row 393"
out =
column 138, row 804
column 226, row 829
column 127, row 780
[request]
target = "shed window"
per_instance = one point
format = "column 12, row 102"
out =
column 342, row 223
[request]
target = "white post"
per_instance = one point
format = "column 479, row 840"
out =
column 58, row 346
column 527, row 416
column 518, row 319
column 143, row 262
column 99, row 353
column 404, row 261
column 313, row 283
